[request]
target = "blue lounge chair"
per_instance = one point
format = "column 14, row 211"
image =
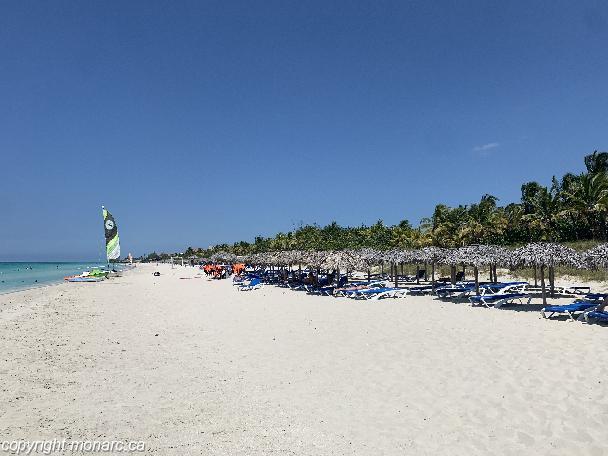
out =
column 458, row 291
column 595, row 316
column 415, row 278
column 254, row 284
column 352, row 293
column 376, row 293
column 421, row 290
column 596, row 297
column 328, row 290
column 568, row 309
column 499, row 299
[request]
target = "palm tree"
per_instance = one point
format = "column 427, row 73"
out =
column 484, row 223
column 541, row 211
column 597, row 162
column 587, row 201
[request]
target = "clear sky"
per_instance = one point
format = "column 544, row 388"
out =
column 208, row 121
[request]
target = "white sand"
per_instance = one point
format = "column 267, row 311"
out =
column 278, row 372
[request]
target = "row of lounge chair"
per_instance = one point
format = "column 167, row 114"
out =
column 590, row 309
column 490, row 294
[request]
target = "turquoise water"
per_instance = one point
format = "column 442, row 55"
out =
column 20, row 276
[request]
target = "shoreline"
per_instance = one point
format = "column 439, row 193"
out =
column 52, row 282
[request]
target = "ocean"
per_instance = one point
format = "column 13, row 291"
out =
column 24, row 275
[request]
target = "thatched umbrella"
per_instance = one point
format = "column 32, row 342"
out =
column 477, row 256
column 547, row 254
column 416, row 257
column 314, row 259
column 451, row 259
column 342, row 259
column 597, row 257
column 368, row 258
column 297, row 257
column 400, row 257
column 432, row 255
column 223, row 256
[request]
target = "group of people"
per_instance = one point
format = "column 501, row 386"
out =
column 221, row 271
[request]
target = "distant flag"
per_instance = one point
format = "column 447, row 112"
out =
column 111, row 230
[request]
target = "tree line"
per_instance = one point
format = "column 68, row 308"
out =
column 572, row 208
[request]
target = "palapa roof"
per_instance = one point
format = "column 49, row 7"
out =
column 547, row 254
column 314, row 258
column 431, row 254
column 223, row 256
column 477, row 255
column 343, row 259
column 369, row 257
column 597, row 257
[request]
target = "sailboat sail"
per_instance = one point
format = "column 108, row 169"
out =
column 111, row 230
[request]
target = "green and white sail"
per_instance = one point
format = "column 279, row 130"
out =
column 111, row 230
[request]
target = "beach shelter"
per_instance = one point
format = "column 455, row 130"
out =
column 547, row 255
column 342, row 259
column 478, row 256
column 597, row 257
column 369, row 258
column 432, row 255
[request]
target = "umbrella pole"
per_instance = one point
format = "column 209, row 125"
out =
column 453, row 274
column 426, row 277
column 535, row 277
column 495, row 275
column 476, row 280
column 433, row 274
column 417, row 273
column 396, row 277
column 552, row 280
column 542, row 283
column 369, row 276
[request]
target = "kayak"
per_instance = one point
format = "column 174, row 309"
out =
column 84, row 279
column 95, row 275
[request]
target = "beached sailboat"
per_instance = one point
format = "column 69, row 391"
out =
column 111, row 235
column 112, row 252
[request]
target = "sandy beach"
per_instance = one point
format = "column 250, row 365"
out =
column 193, row 366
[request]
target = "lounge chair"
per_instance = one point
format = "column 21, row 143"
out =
column 596, row 297
column 254, row 284
column 421, row 290
column 558, row 290
column 457, row 291
column 415, row 278
column 459, row 277
column 595, row 316
column 329, row 290
column 378, row 293
column 577, row 290
column 568, row 309
column 352, row 290
column 499, row 299
column 390, row 293
column 502, row 287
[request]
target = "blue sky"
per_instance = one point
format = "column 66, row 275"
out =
column 202, row 122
